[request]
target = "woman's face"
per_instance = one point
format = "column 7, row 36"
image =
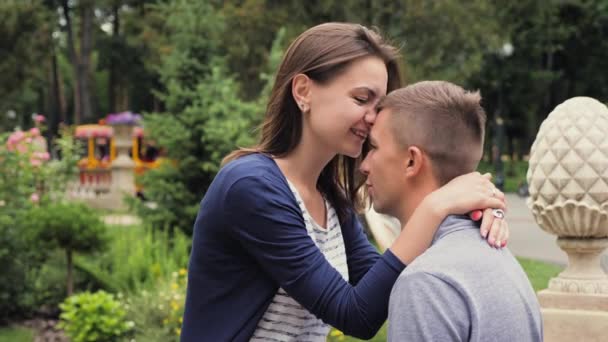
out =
column 343, row 110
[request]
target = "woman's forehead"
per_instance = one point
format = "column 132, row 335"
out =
column 368, row 72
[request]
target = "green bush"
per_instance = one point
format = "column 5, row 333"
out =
column 71, row 227
column 46, row 284
column 26, row 179
column 94, row 317
column 14, row 261
column 137, row 258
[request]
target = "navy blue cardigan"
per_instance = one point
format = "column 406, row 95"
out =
column 250, row 239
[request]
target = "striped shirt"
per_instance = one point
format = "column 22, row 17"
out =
column 285, row 319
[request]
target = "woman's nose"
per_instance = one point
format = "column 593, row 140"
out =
column 370, row 117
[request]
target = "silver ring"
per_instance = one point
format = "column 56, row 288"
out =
column 498, row 213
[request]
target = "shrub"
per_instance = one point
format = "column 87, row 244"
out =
column 18, row 192
column 14, row 261
column 94, row 317
column 72, row 227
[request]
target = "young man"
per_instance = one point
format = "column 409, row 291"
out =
column 459, row 290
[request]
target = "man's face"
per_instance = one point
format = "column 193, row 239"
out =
column 384, row 167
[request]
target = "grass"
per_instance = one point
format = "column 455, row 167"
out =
column 16, row 334
column 538, row 273
column 136, row 258
column 514, row 171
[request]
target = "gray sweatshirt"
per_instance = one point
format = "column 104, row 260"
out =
column 461, row 289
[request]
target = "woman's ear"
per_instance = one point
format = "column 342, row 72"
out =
column 300, row 90
column 414, row 161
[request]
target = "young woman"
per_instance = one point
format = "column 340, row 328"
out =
column 278, row 253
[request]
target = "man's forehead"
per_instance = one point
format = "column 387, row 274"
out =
column 378, row 130
column 382, row 118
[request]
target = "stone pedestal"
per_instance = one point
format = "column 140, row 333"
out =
column 123, row 167
column 575, row 306
column 568, row 178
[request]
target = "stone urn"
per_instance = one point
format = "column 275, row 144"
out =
column 568, row 184
column 123, row 167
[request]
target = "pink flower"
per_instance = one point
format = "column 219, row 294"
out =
column 15, row 137
column 35, row 131
column 35, row 162
column 39, row 118
column 34, row 198
column 42, row 155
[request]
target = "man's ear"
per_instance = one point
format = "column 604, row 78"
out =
column 414, row 162
column 301, row 87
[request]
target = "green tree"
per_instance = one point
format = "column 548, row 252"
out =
column 72, row 227
column 204, row 119
column 24, row 56
column 558, row 49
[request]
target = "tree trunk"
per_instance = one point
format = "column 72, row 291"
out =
column 63, row 107
column 54, row 97
column 84, row 67
column 113, row 78
column 70, row 281
column 73, row 59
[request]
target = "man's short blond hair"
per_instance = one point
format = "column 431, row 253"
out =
column 442, row 119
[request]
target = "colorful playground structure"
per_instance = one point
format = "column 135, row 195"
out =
column 100, row 152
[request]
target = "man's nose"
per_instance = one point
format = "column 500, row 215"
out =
column 363, row 167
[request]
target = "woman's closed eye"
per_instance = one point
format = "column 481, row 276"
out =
column 361, row 99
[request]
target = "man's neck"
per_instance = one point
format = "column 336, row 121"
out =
column 412, row 200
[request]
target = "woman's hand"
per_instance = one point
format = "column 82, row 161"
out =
column 462, row 195
column 465, row 194
column 496, row 226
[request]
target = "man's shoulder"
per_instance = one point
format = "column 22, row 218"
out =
column 452, row 252
column 457, row 259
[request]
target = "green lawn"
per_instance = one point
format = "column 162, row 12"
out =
column 538, row 272
column 16, row 334
column 514, row 172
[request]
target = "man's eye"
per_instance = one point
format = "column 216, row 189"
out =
column 361, row 99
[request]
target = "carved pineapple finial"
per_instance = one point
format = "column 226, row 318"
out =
column 568, row 171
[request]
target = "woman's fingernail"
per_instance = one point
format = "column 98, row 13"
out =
column 504, row 244
column 498, row 244
column 484, row 233
column 491, row 241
